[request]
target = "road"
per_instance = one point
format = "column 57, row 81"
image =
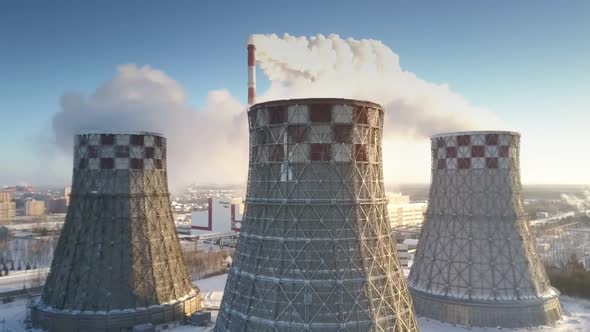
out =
column 16, row 279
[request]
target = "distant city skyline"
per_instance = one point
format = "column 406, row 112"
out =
column 525, row 63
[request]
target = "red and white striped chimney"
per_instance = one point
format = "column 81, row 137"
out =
column 251, row 74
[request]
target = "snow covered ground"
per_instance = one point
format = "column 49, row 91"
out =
column 212, row 292
column 212, row 284
column 12, row 315
column 576, row 314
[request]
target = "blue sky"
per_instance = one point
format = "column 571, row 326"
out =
column 526, row 61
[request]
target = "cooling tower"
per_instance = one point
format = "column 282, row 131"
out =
column 315, row 251
column 118, row 261
column 476, row 262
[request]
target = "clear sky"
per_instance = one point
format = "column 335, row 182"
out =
column 527, row 61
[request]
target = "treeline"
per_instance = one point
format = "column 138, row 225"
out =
column 204, row 264
column 549, row 206
column 572, row 279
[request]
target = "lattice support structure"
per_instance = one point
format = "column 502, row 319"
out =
column 118, row 261
column 476, row 262
column 315, row 251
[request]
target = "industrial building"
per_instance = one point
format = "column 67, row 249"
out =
column 34, row 208
column 402, row 212
column 315, row 251
column 477, row 262
column 221, row 217
column 57, row 205
column 118, row 261
column 405, row 255
column 406, row 250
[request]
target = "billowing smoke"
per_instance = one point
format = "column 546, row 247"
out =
column 580, row 202
column 320, row 66
column 209, row 145
column 205, row 144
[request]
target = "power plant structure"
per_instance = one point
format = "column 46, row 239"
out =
column 118, row 262
column 477, row 262
column 315, row 251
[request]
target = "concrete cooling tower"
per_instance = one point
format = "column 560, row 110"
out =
column 118, row 261
column 315, row 251
column 476, row 262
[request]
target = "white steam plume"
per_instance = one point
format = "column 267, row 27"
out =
column 580, row 202
column 320, row 66
column 208, row 145
column 211, row 144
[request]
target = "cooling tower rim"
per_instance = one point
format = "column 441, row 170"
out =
column 475, row 132
column 305, row 101
column 553, row 294
column 119, row 132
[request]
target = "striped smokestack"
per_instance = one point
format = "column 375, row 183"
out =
column 251, row 74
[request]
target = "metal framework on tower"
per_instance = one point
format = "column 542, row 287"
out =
column 315, row 251
column 476, row 262
column 118, row 261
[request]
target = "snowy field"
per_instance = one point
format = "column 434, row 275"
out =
column 576, row 314
column 213, row 284
column 12, row 315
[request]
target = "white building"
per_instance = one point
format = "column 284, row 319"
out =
column 405, row 254
column 222, row 216
column 402, row 212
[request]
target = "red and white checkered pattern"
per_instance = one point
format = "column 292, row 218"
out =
column 120, row 151
column 474, row 150
column 332, row 130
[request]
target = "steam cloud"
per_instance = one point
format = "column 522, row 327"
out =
column 210, row 144
column 320, row 66
column 202, row 144
column 580, row 202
